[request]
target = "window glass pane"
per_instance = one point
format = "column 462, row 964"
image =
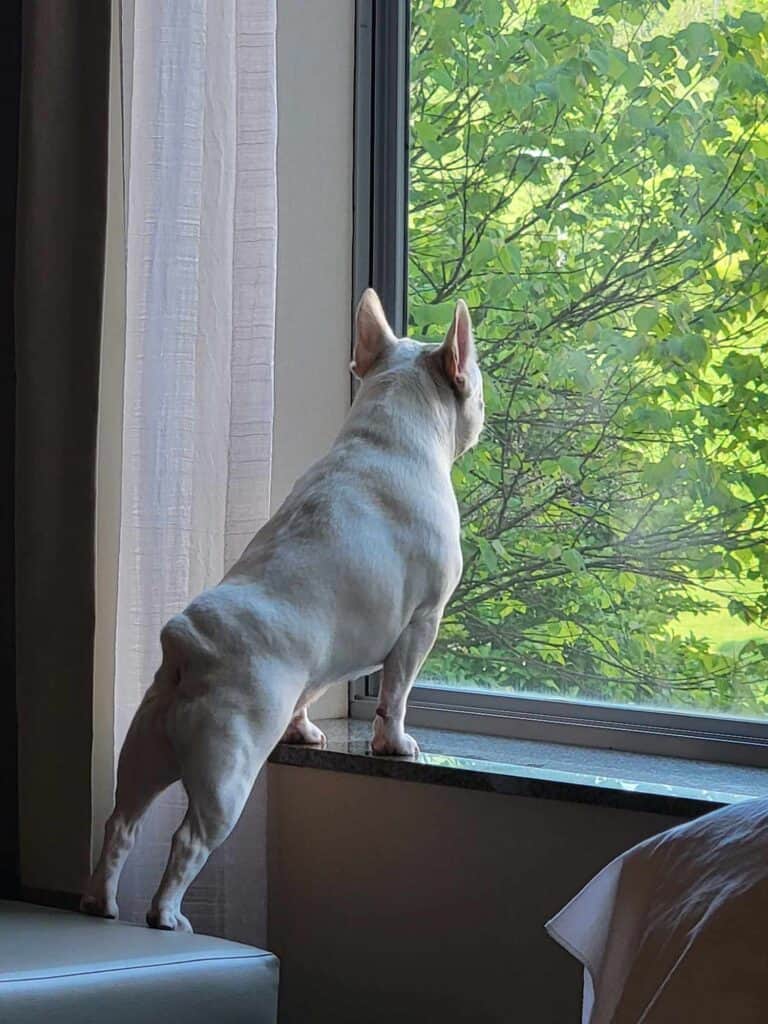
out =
column 593, row 179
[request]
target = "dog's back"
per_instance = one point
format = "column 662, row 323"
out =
column 368, row 535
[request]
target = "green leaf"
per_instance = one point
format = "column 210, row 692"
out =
column 753, row 22
column 695, row 39
column 573, row 559
column 742, row 369
column 493, row 12
column 488, row 555
column 661, row 472
column 510, row 259
column 632, row 77
column 570, row 465
column 758, row 484
column 690, row 348
column 646, row 318
column 440, row 313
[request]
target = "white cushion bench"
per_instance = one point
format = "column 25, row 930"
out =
column 59, row 967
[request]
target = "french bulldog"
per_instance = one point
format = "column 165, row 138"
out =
column 349, row 576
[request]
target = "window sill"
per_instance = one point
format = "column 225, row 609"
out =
column 549, row 771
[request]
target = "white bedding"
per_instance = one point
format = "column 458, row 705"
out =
column 675, row 931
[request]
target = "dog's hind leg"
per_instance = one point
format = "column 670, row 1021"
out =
column 221, row 750
column 147, row 765
column 301, row 729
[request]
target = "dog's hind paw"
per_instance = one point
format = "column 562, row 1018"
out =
column 98, row 906
column 306, row 733
column 168, row 920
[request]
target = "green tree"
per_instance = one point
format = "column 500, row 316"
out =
column 594, row 181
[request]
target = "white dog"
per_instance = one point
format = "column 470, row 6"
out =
column 350, row 575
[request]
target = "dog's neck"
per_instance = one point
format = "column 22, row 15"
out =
column 405, row 412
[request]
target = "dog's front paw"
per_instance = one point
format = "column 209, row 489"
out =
column 398, row 744
column 168, row 920
column 98, row 906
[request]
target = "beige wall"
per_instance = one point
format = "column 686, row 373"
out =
column 396, row 901
column 315, row 78
column 314, row 270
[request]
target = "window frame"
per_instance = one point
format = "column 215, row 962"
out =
column 380, row 246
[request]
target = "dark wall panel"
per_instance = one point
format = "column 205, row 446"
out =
column 10, row 71
column 61, row 219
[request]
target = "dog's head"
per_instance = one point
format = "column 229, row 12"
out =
column 451, row 367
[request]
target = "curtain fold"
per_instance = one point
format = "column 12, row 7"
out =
column 60, row 225
column 199, row 149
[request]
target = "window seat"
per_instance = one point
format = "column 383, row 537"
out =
column 551, row 771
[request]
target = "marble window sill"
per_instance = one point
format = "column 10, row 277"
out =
column 549, row 771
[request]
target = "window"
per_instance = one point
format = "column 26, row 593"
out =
column 592, row 177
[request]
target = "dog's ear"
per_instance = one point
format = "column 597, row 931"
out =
column 373, row 335
column 458, row 349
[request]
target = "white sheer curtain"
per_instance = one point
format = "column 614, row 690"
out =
column 199, row 116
